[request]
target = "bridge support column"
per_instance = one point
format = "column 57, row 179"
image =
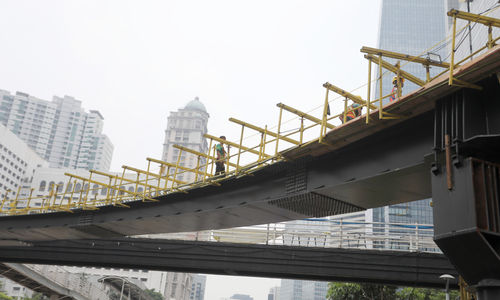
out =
column 488, row 289
column 467, row 223
column 466, row 185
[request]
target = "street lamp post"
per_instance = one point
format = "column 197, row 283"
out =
column 447, row 277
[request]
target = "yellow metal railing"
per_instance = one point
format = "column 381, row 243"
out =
column 161, row 177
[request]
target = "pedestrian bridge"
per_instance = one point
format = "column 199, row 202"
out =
column 374, row 160
column 380, row 158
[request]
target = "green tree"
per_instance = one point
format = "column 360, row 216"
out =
column 155, row 295
column 360, row 291
column 424, row 294
column 364, row 291
column 5, row 297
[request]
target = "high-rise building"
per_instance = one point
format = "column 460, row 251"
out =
column 60, row 131
column 274, row 293
column 198, row 287
column 411, row 27
column 186, row 127
column 303, row 290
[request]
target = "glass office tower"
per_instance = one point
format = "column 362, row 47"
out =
column 411, row 27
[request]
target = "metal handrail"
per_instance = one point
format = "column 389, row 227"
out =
column 325, row 234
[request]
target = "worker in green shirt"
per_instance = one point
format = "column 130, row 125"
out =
column 220, row 153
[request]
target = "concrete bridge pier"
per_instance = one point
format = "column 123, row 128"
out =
column 466, row 185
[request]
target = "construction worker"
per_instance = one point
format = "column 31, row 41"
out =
column 395, row 90
column 220, row 153
column 353, row 111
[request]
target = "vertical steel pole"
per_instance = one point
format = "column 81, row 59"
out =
column 278, row 135
column 324, row 119
column 208, row 159
column 380, row 113
column 239, row 150
column 452, row 59
column 369, row 91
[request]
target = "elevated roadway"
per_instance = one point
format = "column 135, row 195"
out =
column 309, row 263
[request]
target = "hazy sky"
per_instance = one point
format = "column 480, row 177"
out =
column 136, row 61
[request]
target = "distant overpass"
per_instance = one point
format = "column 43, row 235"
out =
column 308, row 263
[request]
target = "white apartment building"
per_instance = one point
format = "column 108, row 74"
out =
column 18, row 164
column 60, row 131
column 186, row 127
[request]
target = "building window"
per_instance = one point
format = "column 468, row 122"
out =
column 60, row 186
column 42, row 186
column 51, row 185
column 95, row 189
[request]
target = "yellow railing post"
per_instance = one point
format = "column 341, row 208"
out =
column 166, row 177
column 29, row 199
column 452, row 59
column 13, row 205
column 490, row 37
column 398, row 82
column 369, row 88
column 4, row 199
column 301, row 130
column 208, row 160
column 80, row 198
column 108, row 191
column 380, row 114
column 197, row 168
column 228, row 156
column 344, row 118
column 279, row 131
column 88, row 190
column 264, row 144
column 72, row 192
column 119, row 187
column 239, row 149
column 176, row 168
column 214, row 155
column 325, row 117
column 65, row 192
column 147, row 176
